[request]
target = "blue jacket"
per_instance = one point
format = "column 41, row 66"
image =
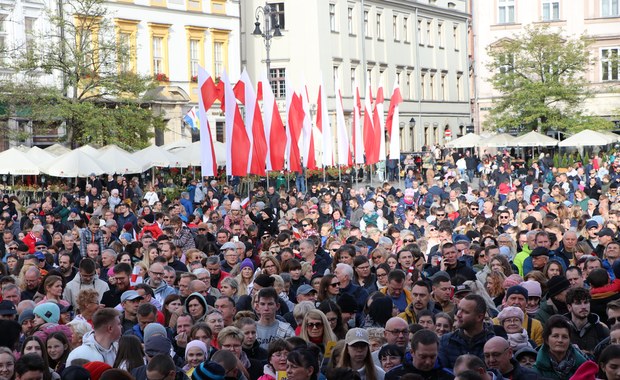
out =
column 455, row 344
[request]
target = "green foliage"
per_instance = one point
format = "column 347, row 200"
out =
column 556, row 160
column 540, row 75
column 99, row 97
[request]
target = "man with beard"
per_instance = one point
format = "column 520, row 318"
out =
column 586, row 328
column 122, row 273
column 65, row 265
column 86, row 278
column 32, row 278
column 157, row 283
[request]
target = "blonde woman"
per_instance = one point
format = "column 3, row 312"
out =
column 316, row 329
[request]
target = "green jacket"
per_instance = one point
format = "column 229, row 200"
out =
column 520, row 258
column 544, row 368
column 545, row 311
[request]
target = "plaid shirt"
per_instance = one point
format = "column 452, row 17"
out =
column 87, row 237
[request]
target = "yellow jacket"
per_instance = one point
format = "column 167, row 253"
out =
column 533, row 327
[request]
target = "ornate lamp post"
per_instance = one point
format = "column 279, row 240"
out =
column 269, row 14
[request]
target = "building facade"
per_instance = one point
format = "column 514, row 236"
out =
column 167, row 39
column 423, row 44
column 495, row 20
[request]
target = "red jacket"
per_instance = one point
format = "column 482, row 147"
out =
column 153, row 229
column 30, row 240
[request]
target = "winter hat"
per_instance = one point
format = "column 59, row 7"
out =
column 557, row 285
column 586, row 371
column 260, row 205
column 149, row 218
column 26, row 315
column 512, row 280
column 75, row 372
column 127, row 236
column 246, row 263
column 157, row 345
column 505, row 251
column 533, row 288
column 264, row 280
column 235, row 205
column 516, row 289
column 153, row 329
column 369, row 206
column 209, row 371
column 96, row 369
column 196, row 343
column 49, row 312
column 510, row 312
column 128, row 226
column 409, row 193
column 347, row 303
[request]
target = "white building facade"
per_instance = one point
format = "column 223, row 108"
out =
column 495, row 20
column 422, row 43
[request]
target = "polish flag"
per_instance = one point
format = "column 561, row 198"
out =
column 275, row 134
column 308, row 152
column 237, row 140
column 369, row 129
column 379, row 124
column 322, row 123
column 254, row 127
column 207, row 95
column 358, row 150
column 392, row 122
column 294, row 120
column 344, row 153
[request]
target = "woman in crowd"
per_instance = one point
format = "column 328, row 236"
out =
column 215, row 321
column 202, row 332
column 276, row 359
column 363, row 276
column 316, row 329
column 251, row 347
column 609, row 362
column 293, row 267
column 88, row 303
column 382, row 275
column 334, row 317
column 390, row 356
column 357, row 356
column 494, row 286
column 329, row 289
column 195, row 353
column 245, row 276
column 7, row 363
column 230, row 288
column 53, row 287
column 172, row 307
column 231, row 339
column 557, row 358
column 130, row 353
column 553, row 268
column 34, row 345
column 302, row 364
column 511, row 319
column 443, row 323
column 196, row 306
column 58, row 349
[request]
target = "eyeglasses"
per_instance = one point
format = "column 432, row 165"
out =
column 166, row 219
column 304, row 224
column 488, row 355
column 473, row 208
column 432, row 229
column 398, row 332
column 313, row 325
column 335, row 284
column 202, row 229
column 504, row 217
column 440, row 215
column 393, row 207
column 408, row 241
column 333, row 319
column 381, row 274
column 156, row 273
column 529, row 209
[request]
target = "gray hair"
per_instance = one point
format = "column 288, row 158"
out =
column 346, row 269
column 211, row 260
column 302, row 308
column 110, row 252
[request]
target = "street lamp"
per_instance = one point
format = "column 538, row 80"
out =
column 269, row 13
column 412, row 126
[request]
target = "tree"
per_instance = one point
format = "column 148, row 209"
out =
column 100, row 96
column 541, row 77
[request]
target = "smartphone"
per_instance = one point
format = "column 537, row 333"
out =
column 235, row 239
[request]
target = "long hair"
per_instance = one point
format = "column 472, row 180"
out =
column 57, row 365
column 167, row 314
column 46, row 374
column 130, row 353
column 324, row 285
column 369, row 364
column 328, row 334
column 330, row 306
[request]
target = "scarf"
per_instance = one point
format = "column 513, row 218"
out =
column 518, row 340
column 564, row 367
column 531, row 311
column 371, row 218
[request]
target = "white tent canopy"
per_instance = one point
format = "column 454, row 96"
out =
column 469, row 140
column 90, row 150
column 500, row 140
column 533, row 138
column 118, row 161
column 14, row 161
column 588, row 137
column 75, row 163
column 57, row 149
column 40, row 156
column 181, row 144
column 191, row 153
column 157, row 156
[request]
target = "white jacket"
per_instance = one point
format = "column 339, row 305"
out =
column 72, row 289
column 93, row 351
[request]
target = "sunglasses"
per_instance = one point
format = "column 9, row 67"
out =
column 408, row 241
column 529, row 209
column 335, row 284
column 473, row 208
column 316, row 325
column 441, row 215
column 305, row 225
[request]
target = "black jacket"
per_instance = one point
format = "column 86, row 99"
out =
column 521, row 373
column 436, row 373
column 140, row 373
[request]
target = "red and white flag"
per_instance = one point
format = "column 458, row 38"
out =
column 294, row 120
column 323, row 125
column 379, row 124
column 237, row 141
column 253, row 126
column 358, row 141
column 207, row 95
column 308, row 152
column 369, row 129
column 344, row 153
column 275, row 134
column 392, row 122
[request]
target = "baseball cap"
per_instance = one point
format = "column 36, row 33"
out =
column 305, row 289
column 129, row 295
column 606, row 232
column 39, row 255
column 356, row 335
column 228, row 245
column 539, row 251
column 7, row 308
column 462, row 289
column 591, row 224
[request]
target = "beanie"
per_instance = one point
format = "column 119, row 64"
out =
column 246, row 263
column 512, row 280
column 128, row 226
column 209, row 371
column 153, row 329
column 516, row 289
column 557, row 285
column 149, row 218
column 196, row 343
column 533, row 288
column 369, row 206
column 75, row 372
column 96, row 369
column 510, row 312
column 26, row 315
column 586, row 371
column 49, row 312
column 347, row 303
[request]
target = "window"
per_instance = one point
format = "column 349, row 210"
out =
column 550, row 10
column 610, row 70
column 506, row 11
column 29, row 25
column 3, row 36
column 444, row 94
column 158, row 55
column 127, row 32
column 440, row 39
column 411, row 84
column 420, row 35
column 196, row 52
column 278, row 82
column 277, row 17
column 456, row 36
column 366, row 24
column 350, row 20
column 336, row 74
column 506, row 64
column 431, row 88
column 218, row 58
column 609, row 8
column 220, row 51
column 379, row 26
column 332, row 17
column 194, row 56
column 406, row 28
column 429, row 33
column 220, row 131
column 125, row 45
column 395, row 27
column 459, row 86
column 353, row 79
column 423, row 84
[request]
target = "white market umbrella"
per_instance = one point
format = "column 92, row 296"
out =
column 118, row 161
column 469, row 140
column 155, row 156
column 57, row 149
column 588, row 137
column 40, row 156
column 533, row 138
column 23, row 148
column 500, row 140
column 612, row 135
column 15, row 162
column 173, row 146
column 75, row 163
column 191, row 153
column 90, row 150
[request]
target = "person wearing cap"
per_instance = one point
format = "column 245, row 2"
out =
column 555, row 303
column 149, row 226
column 130, row 300
column 526, row 357
column 102, row 342
column 306, row 293
column 498, row 354
column 7, row 310
column 587, row 329
column 234, row 215
column 356, row 355
column 424, row 353
column 517, row 296
column 231, row 258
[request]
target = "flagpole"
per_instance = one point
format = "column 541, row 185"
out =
column 267, row 177
column 398, row 171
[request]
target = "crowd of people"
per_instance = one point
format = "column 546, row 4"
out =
column 471, row 270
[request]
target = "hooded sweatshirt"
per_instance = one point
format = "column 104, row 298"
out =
column 202, row 301
column 91, row 350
